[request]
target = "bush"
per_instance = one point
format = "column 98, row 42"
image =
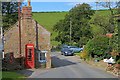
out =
column 98, row 46
column 118, row 62
column 117, row 58
column 83, row 55
column 99, row 58
column 114, row 43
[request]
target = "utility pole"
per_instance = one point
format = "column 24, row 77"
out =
column 19, row 25
column 70, row 30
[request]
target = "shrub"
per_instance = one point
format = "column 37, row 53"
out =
column 114, row 52
column 84, row 55
column 99, row 58
column 97, row 46
column 118, row 61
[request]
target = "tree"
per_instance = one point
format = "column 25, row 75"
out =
column 118, row 26
column 9, row 13
column 63, row 35
column 118, row 7
column 79, row 17
column 103, row 23
column 109, row 5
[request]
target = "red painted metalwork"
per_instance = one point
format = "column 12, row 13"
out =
column 29, row 56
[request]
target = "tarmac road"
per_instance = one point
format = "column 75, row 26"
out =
column 69, row 67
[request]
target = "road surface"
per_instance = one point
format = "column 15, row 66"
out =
column 69, row 67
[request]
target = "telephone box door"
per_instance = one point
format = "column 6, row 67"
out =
column 29, row 56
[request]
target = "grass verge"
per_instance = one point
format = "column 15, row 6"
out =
column 11, row 75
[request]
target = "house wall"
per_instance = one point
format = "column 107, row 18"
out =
column 43, row 43
column 31, row 32
column 43, row 37
column 11, row 40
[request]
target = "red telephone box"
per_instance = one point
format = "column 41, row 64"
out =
column 29, row 56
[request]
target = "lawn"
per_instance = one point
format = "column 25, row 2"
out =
column 10, row 75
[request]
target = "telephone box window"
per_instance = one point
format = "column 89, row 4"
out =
column 29, row 54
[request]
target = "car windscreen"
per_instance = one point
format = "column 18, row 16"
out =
column 67, row 50
column 73, row 47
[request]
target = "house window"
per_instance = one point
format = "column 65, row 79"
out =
column 42, row 56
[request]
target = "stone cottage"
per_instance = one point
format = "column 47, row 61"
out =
column 31, row 32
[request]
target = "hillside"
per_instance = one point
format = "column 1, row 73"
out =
column 49, row 19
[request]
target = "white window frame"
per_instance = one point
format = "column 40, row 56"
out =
column 45, row 52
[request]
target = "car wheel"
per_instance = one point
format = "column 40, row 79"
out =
column 65, row 54
column 72, row 55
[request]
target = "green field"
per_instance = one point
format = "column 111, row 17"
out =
column 49, row 19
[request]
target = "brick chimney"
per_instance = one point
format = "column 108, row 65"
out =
column 27, row 27
column 29, row 4
column 27, row 11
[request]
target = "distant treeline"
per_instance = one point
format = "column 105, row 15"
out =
column 66, row 11
column 50, row 12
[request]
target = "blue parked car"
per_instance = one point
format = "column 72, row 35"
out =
column 75, row 49
column 67, row 51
